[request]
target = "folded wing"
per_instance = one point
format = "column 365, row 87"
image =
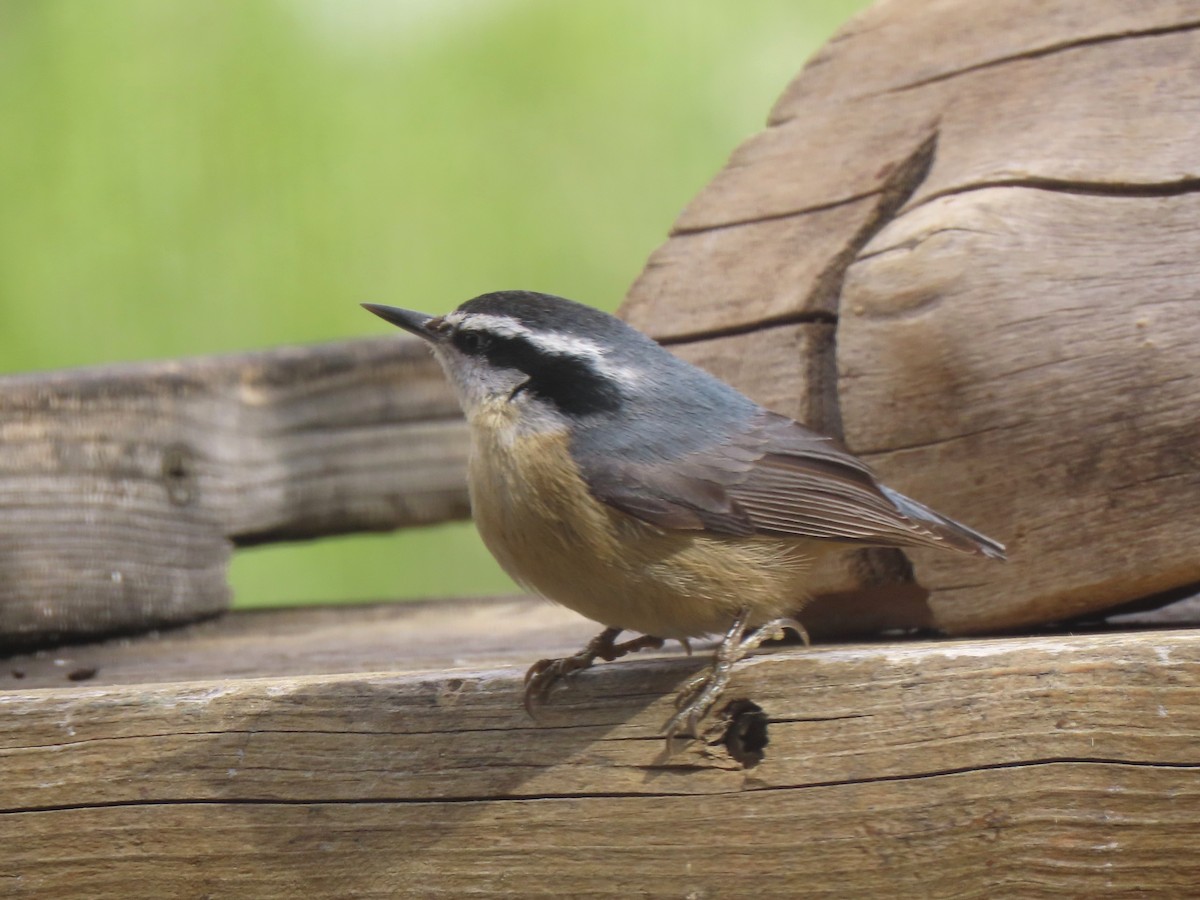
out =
column 777, row 477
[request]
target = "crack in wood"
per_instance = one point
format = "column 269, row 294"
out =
column 575, row 796
column 793, row 720
column 805, row 318
column 679, row 231
column 903, row 183
column 1175, row 188
column 1040, row 52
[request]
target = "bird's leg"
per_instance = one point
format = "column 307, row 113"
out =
column 702, row 691
column 545, row 673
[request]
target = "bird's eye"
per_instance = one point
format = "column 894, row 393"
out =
column 471, row 342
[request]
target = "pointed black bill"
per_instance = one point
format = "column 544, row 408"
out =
column 413, row 322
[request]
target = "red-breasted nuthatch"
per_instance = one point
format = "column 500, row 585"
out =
column 611, row 476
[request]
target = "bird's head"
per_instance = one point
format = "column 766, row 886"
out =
column 567, row 359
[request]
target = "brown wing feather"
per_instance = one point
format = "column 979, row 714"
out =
column 667, row 498
column 778, row 478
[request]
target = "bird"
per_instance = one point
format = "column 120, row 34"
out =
column 610, row 476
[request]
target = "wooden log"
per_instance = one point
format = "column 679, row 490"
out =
column 125, row 488
column 1072, row 430
column 1006, row 261
column 1037, row 766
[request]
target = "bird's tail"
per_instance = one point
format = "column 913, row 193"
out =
column 951, row 533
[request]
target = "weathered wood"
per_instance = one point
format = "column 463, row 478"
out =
column 1061, row 765
column 1074, row 422
column 1030, row 831
column 843, row 159
column 957, row 38
column 1006, row 257
column 124, row 488
column 416, row 636
column 749, row 276
column 799, row 389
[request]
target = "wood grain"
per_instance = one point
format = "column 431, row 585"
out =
column 752, row 275
column 1043, row 830
column 1015, row 336
column 801, row 389
column 125, row 488
column 768, row 178
column 416, row 636
column 1071, row 431
column 1030, row 767
column 957, row 38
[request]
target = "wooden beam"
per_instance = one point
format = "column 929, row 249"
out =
column 1058, row 765
column 124, row 488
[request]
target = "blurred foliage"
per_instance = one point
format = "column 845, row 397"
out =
column 196, row 176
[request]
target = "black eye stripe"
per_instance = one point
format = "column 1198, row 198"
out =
column 571, row 383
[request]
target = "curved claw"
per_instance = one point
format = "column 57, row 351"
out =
column 537, row 669
column 777, row 627
column 539, row 680
column 544, row 674
column 541, row 677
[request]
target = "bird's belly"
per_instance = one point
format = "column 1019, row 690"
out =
column 539, row 520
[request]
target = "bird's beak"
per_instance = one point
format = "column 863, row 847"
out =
column 412, row 322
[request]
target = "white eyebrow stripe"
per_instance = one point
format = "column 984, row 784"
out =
column 555, row 344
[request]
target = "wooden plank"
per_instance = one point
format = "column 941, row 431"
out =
column 1046, row 830
column 1032, row 766
column 416, row 636
column 124, row 488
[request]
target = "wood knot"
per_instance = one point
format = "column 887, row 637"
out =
column 178, row 474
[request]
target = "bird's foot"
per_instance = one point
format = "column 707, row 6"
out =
column 701, row 692
column 545, row 673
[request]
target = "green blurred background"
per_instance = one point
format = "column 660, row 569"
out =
column 182, row 177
